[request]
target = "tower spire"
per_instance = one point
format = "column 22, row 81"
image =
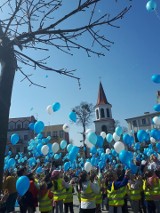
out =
column 101, row 96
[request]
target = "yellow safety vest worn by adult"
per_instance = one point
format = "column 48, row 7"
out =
column 99, row 195
column 116, row 197
column 147, row 191
column 59, row 194
column 69, row 195
column 45, row 203
column 88, row 195
column 134, row 194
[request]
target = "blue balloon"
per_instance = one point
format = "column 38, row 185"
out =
column 109, row 137
column 93, row 150
column 69, row 147
column 14, row 138
column 73, row 116
column 11, row 163
column 38, row 127
column 142, row 135
column 56, row 106
column 63, row 144
column 31, row 126
column 56, row 156
column 119, row 130
column 133, row 168
column 151, row 6
column 126, row 138
column 66, row 166
column 100, row 141
column 92, row 137
column 39, row 170
column 125, row 157
column 157, row 107
column 22, row 185
column 155, row 133
column 137, row 146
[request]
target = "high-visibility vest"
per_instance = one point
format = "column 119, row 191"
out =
column 116, row 197
column 99, row 195
column 59, row 194
column 69, row 195
column 88, row 195
column 134, row 194
column 147, row 191
column 45, row 203
column 151, row 192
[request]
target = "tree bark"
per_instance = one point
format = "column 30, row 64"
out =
column 8, row 68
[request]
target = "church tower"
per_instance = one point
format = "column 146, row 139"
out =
column 104, row 121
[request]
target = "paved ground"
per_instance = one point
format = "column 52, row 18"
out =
column 76, row 206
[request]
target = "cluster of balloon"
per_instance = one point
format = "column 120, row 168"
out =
column 22, row 185
column 151, row 5
column 73, row 116
column 14, row 138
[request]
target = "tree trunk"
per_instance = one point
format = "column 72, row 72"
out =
column 8, row 68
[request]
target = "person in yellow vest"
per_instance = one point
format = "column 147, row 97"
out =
column 58, row 189
column 68, row 200
column 147, row 187
column 116, row 191
column 45, row 197
column 88, row 192
column 134, row 188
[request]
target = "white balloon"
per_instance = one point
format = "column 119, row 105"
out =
column 152, row 140
column 116, row 137
column 45, row 149
column 103, row 134
column 88, row 130
column 49, row 109
column 66, row 128
column 87, row 166
column 143, row 162
column 156, row 120
column 55, row 147
column 108, row 151
column 119, row 146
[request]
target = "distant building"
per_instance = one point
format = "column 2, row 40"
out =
column 21, row 127
column 103, row 113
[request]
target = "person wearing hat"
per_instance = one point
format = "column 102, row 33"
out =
column 58, row 189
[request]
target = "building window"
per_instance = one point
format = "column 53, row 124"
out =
column 134, row 123
column 11, row 126
column 26, row 125
column 19, row 126
column 108, row 113
column 102, row 113
column 25, row 137
column 55, row 133
column 97, row 114
column 49, row 133
column 143, row 121
column 61, row 133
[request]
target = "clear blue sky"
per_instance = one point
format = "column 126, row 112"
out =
column 125, row 72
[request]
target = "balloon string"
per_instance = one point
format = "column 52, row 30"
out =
column 156, row 13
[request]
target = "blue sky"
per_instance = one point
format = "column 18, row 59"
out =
column 125, row 72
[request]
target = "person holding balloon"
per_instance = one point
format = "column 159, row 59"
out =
column 116, row 191
column 88, row 192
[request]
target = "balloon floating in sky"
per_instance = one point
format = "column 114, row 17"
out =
column 38, row 127
column 151, row 5
column 156, row 78
column 56, row 106
column 65, row 128
column 49, row 109
column 73, row 116
column 157, row 107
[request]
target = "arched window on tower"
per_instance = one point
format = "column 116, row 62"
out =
column 102, row 113
column 108, row 113
column 104, row 129
column 97, row 114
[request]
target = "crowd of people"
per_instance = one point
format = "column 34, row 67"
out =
column 111, row 189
